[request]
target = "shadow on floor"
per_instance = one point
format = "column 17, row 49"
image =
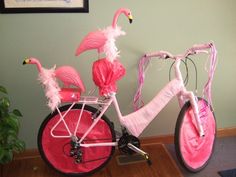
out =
column 224, row 158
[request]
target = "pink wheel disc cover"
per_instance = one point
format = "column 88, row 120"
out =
column 196, row 150
column 57, row 150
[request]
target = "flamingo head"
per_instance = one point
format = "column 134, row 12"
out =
column 33, row 61
column 30, row 61
column 127, row 13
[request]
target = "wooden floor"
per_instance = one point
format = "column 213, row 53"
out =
column 162, row 166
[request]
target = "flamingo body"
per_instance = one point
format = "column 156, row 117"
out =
column 104, row 40
column 69, row 76
column 93, row 40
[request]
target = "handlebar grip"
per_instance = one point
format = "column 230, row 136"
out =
column 199, row 47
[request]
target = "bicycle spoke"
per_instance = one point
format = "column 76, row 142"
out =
column 93, row 160
column 100, row 139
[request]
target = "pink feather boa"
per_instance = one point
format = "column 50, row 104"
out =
column 110, row 48
column 51, row 87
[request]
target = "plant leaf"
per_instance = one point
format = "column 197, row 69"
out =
column 1, row 152
column 3, row 89
column 17, row 112
column 7, row 156
column 4, row 102
column 13, row 122
column 11, row 140
column 12, row 132
column 19, row 146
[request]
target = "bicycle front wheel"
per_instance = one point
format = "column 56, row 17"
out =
column 56, row 152
column 193, row 151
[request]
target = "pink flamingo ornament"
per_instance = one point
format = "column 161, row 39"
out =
column 104, row 40
column 67, row 74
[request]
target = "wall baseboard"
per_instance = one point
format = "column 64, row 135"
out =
column 164, row 139
column 169, row 139
column 27, row 154
column 226, row 132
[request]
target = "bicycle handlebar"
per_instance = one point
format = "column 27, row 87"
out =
column 201, row 46
column 208, row 48
column 196, row 49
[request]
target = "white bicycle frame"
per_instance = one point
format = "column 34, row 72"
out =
column 137, row 121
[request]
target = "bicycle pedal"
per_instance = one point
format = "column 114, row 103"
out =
column 149, row 162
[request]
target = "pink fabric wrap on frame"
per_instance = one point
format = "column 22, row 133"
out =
column 105, row 75
column 137, row 121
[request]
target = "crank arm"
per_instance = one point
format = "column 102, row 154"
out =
column 141, row 152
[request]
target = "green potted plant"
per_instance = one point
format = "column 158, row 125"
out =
column 9, row 128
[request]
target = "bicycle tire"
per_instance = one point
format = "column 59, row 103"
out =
column 54, row 151
column 193, row 151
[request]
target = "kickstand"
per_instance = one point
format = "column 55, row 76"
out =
column 141, row 152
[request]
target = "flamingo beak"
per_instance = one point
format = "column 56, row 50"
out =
column 26, row 61
column 130, row 18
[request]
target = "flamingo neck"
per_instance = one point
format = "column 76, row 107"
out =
column 39, row 66
column 116, row 16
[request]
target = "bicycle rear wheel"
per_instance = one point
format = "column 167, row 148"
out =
column 56, row 151
column 193, row 151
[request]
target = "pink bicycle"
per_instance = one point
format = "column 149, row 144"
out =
column 78, row 139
